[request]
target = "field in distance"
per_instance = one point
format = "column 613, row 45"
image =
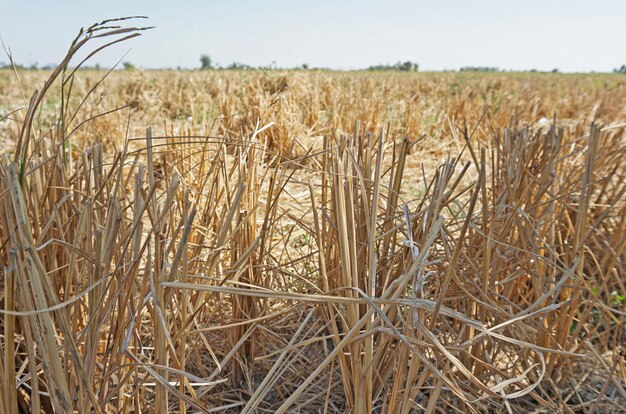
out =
column 312, row 241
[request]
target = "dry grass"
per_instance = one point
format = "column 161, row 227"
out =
column 220, row 264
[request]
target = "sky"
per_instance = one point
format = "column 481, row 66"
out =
column 570, row 35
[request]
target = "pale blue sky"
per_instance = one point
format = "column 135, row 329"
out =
column 567, row 34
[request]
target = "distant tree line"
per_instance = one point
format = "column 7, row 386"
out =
column 494, row 69
column 50, row 66
column 206, row 63
column 479, row 69
column 407, row 66
column 18, row 66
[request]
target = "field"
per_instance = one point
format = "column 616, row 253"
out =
column 311, row 241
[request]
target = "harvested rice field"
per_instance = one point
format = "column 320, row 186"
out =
column 310, row 241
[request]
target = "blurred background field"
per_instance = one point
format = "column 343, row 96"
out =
column 305, row 105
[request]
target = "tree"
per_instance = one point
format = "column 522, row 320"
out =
column 621, row 70
column 128, row 66
column 206, row 62
column 408, row 66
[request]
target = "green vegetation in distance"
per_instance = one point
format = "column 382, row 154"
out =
column 207, row 63
column 407, row 66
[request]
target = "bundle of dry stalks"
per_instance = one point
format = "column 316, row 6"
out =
column 206, row 274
